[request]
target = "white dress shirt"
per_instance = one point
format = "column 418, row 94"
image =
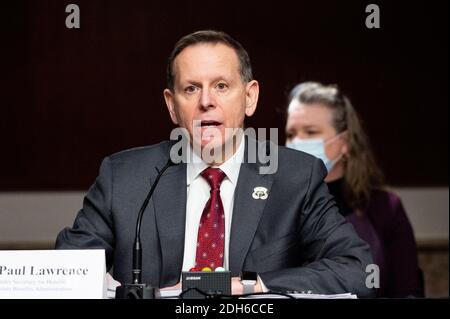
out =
column 198, row 193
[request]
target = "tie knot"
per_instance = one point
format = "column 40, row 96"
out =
column 214, row 177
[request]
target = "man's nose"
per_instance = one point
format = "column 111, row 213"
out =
column 206, row 99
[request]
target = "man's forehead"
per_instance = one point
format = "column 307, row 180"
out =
column 206, row 59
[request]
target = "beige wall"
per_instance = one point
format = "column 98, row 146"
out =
column 428, row 211
column 38, row 216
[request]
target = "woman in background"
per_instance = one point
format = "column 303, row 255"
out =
column 322, row 122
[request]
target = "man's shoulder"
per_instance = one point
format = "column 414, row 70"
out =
column 149, row 153
column 285, row 155
column 291, row 165
column 293, row 159
column 290, row 153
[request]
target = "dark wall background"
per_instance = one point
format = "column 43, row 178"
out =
column 70, row 97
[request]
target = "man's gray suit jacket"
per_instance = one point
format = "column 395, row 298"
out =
column 295, row 239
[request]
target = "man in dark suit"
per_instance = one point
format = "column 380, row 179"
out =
column 220, row 210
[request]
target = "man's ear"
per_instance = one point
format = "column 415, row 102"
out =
column 170, row 103
column 251, row 99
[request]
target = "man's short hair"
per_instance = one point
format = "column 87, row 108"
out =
column 213, row 37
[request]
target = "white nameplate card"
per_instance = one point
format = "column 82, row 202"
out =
column 52, row 274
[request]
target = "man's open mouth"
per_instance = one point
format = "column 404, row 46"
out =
column 210, row 123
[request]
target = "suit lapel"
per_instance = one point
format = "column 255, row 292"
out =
column 170, row 210
column 247, row 212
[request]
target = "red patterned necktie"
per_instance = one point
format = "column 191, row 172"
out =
column 211, row 231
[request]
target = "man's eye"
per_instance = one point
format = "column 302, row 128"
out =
column 190, row 89
column 222, row 86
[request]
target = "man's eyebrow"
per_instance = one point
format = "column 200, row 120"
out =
column 221, row 78
column 197, row 83
column 189, row 82
column 310, row 126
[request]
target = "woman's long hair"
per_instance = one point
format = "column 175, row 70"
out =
column 361, row 173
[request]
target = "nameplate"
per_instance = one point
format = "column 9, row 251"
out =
column 52, row 274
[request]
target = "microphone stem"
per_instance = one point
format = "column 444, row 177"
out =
column 137, row 251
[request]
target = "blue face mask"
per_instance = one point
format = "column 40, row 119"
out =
column 315, row 147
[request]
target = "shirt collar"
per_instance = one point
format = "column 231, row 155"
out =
column 230, row 167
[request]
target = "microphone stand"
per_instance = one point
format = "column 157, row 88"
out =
column 137, row 289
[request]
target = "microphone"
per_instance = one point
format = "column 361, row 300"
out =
column 138, row 290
